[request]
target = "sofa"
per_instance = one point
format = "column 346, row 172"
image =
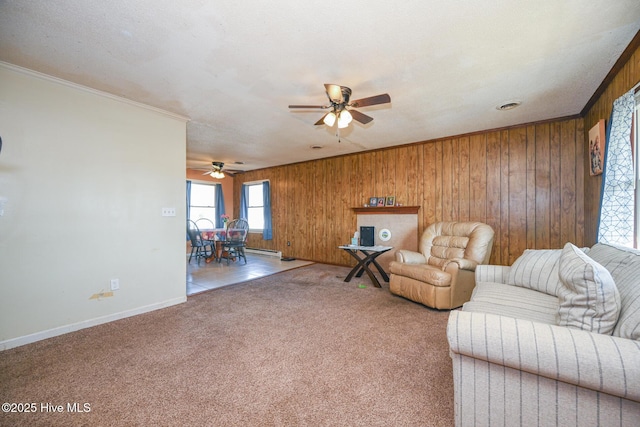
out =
column 552, row 340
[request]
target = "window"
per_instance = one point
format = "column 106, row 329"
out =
column 202, row 202
column 255, row 206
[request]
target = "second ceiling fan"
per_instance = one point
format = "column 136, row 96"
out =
column 339, row 98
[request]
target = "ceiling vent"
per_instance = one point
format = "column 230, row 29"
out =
column 508, row 105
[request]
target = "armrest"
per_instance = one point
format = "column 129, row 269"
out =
column 410, row 257
column 492, row 273
column 590, row 360
column 462, row 264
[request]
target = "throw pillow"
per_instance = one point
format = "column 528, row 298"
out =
column 537, row 269
column 624, row 265
column 588, row 297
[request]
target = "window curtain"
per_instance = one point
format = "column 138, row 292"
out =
column 267, row 232
column 616, row 220
column 188, row 204
column 244, row 202
column 220, row 209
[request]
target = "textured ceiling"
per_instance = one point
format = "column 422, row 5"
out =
column 234, row 67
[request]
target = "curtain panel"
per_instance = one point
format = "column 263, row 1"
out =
column 188, row 207
column 617, row 203
column 244, row 202
column 220, row 209
column 267, row 232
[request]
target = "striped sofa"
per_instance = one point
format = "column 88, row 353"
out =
column 553, row 340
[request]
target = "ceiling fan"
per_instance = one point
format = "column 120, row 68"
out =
column 339, row 101
column 216, row 170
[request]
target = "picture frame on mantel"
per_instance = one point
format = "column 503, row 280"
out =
column 596, row 148
column 391, row 200
column 373, row 202
column 381, row 202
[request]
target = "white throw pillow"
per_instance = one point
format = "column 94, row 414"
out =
column 624, row 265
column 537, row 269
column 588, row 297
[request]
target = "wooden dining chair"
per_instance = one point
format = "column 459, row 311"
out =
column 198, row 244
column 236, row 240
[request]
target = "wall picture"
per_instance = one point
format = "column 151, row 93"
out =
column 596, row 148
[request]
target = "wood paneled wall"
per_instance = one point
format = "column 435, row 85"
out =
column 624, row 80
column 531, row 183
column 527, row 182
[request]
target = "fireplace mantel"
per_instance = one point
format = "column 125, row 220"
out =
column 393, row 210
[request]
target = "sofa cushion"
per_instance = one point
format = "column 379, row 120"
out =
column 537, row 269
column 513, row 301
column 588, row 297
column 624, row 266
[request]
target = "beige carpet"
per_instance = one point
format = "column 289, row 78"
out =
column 300, row 347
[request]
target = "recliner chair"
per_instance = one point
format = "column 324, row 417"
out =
column 442, row 274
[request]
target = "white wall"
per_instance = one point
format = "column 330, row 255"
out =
column 85, row 176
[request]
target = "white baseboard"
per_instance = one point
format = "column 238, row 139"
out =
column 61, row 330
column 264, row 252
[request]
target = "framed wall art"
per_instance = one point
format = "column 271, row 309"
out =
column 596, row 148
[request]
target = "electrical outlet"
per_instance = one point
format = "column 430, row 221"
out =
column 288, row 243
column 168, row 211
column 115, row 284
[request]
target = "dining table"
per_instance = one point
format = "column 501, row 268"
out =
column 216, row 236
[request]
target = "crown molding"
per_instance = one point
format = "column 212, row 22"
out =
column 87, row 89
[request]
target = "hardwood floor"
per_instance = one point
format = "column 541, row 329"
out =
column 204, row 277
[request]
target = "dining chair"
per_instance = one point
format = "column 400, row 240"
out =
column 205, row 224
column 235, row 241
column 198, row 244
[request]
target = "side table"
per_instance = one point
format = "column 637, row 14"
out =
column 366, row 255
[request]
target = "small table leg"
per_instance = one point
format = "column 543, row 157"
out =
column 383, row 273
column 363, row 266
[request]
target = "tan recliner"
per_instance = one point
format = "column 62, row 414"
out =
column 442, row 274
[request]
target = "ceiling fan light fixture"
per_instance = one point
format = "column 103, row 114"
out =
column 217, row 174
column 344, row 119
column 339, row 101
column 330, row 119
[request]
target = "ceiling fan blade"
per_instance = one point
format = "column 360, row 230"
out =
column 308, row 106
column 334, row 92
column 372, row 100
column 321, row 121
column 362, row 118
